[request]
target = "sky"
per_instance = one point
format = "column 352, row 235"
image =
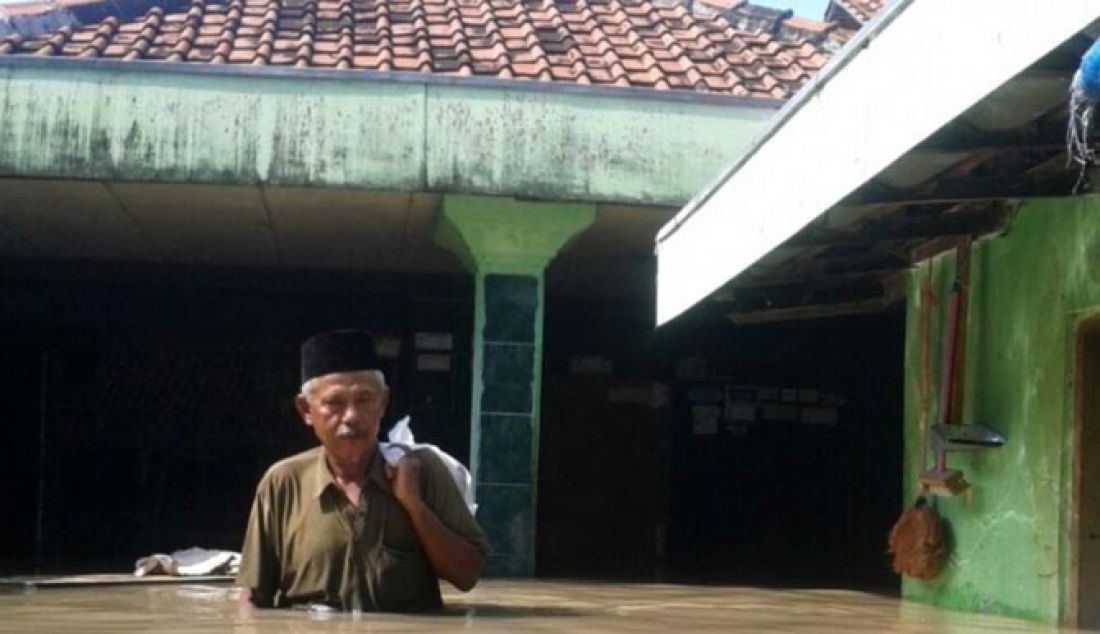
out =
column 805, row 8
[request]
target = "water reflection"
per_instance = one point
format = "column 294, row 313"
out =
column 501, row 606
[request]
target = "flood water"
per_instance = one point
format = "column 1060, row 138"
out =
column 500, row 606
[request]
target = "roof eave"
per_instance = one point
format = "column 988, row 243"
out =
column 864, row 111
column 391, row 77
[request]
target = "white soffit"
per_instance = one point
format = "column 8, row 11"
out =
column 917, row 66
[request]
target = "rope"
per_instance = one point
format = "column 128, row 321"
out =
column 1077, row 134
column 927, row 299
column 1083, row 95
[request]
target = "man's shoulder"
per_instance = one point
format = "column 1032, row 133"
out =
column 429, row 460
column 292, row 468
column 440, row 474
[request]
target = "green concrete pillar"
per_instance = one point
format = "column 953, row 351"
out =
column 507, row 244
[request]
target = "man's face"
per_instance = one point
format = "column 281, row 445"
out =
column 344, row 409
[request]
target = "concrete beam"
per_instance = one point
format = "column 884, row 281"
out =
column 151, row 121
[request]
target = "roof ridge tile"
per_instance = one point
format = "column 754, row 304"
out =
column 569, row 48
column 303, row 54
column 224, row 48
column 459, row 41
column 531, row 40
column 265, row 43
column 56, row 41
column 616, row 72
column 186, row 39
column 144, row 38
column 10, row 43
column 105, row 30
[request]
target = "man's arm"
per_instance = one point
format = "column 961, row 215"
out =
column 258, row 574
column 451, row 555
column 244, row 600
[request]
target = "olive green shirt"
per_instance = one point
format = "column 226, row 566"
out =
column 306, row 543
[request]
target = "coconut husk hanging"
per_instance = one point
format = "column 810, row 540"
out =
column 917, row 544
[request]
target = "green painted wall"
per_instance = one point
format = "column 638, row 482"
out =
column 112, row 122
column 1029, row 287
column 211, row 129
column 555, row 146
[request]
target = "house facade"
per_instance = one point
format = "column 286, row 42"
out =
column 188, row 187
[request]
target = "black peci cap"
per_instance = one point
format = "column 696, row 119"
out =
column 338, row 351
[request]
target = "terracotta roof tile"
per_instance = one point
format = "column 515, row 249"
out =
column 610, row 42
column 862, row 10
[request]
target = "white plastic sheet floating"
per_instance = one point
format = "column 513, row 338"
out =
column 190, row 562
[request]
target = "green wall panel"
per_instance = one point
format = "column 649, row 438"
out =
column 555, row 146
column 212, row 129
column 1029, row 287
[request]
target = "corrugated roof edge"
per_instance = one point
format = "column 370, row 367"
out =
column 862, row 38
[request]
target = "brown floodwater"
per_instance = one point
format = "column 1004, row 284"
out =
column 500, row 606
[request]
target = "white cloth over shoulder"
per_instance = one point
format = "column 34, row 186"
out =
column 401, row 438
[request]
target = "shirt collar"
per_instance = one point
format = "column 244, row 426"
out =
column 375, row 472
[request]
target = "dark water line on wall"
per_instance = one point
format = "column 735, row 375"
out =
column 42, row 404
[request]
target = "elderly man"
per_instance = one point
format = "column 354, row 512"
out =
column 337, row 525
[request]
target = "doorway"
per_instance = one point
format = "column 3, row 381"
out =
column 1084, row 593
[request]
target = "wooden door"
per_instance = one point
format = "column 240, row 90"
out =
column 1086, row 593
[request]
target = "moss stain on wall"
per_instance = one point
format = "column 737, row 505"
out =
column 110, row 124
column 1028, row 288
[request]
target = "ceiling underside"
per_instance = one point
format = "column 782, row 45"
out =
column 135, row 225
column 960, row 183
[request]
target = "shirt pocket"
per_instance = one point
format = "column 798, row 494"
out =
column 405, row 580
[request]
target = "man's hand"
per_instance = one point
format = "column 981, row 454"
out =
column 450, row 555
column 405, row 478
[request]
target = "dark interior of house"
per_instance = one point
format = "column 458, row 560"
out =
column 795, row 482
column 141, row 410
